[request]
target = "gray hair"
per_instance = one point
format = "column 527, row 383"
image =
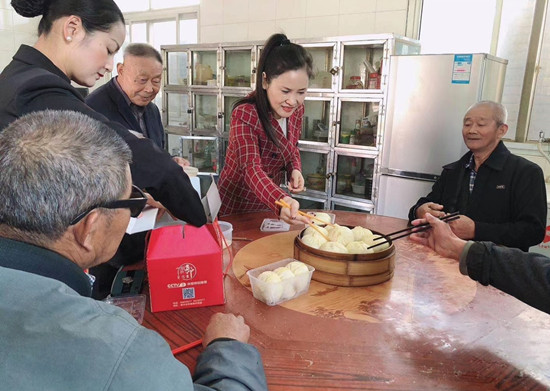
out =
column 142, row 50
column 53, row 166
column 500, row 114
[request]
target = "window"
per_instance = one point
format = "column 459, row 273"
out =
column 502, row 28
column 451, row 26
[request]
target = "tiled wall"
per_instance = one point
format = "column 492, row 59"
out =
column 251, row 20
column 14, row 30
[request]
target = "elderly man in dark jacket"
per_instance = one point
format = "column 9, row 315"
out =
column 501, row 196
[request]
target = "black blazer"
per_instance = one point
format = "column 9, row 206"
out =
column 31, row 82
column 109, row 101
column 508, row 203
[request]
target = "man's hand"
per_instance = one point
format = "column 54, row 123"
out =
column 296, row 183
column 430, row 207
column 464, row 227
column 226, row 326
column 439, row 238
column 291, row 216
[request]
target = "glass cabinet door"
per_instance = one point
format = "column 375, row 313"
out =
column 206, row 113
column 178, row 113
column 358, row 123
column 202, row 152
column 237, row 68
column 323, row 57
column 309, row 202
column 204, row 65
column 316, row 122
column 178, row 68
column 362, row 66
column 228, row 102
column 314, row 170
column 352, row 206
column 354, row 177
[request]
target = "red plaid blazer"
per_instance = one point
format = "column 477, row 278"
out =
column 254, row 166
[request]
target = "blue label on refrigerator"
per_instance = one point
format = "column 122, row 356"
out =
column 462, row 68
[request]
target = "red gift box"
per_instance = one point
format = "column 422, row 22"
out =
column 184, row 265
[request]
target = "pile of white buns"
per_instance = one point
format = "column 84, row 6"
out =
column 283, row 283
column 343, row 239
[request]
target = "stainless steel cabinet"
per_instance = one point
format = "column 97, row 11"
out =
column 343, row 124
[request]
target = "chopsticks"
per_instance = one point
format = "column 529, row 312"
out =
column 283, row 204
column 413, row 229
column 183, row 348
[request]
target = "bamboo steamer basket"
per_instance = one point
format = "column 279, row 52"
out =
column 347, row 269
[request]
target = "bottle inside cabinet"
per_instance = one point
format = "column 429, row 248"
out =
column 359, row 66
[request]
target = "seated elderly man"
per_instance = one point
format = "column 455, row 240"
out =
column 523, row 275
column 501, row 197
column 67, row 197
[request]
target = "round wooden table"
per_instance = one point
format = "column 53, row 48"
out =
column 427, row 328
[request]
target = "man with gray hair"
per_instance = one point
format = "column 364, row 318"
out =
column 128, row 100
column 67, row 197
column 128, row 97
column 501, row 197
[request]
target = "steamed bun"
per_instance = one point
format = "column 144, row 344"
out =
column 283, row 272
column 375, row 239
column 298, row 267
column 341, row 234
column 321, row 216
column 312, row 231
column 269, row 277
column 314, row 241
column 334, row 247
column 361, row 233
column 359, row 247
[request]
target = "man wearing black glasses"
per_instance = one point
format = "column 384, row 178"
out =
column 66, row 200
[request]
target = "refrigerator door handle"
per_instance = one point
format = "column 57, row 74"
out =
column 409, row 174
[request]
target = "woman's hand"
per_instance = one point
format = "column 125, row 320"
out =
column 291, row 216
column 296, row 183
column 181, row 161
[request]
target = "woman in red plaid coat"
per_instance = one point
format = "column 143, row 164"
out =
column 265, row 129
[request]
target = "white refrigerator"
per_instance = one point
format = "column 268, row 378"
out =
column 428, row 96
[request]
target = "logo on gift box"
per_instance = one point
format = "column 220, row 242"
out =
column 187, row 271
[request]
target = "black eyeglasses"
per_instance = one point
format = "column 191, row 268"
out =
column 135, row 203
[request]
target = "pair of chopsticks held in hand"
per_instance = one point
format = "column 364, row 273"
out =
column 414, row 229
column 283, row 204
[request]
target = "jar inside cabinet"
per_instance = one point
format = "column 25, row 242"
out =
column 354, row 176
column 178, row 71
column 314, row 170
column 362, row 66
column 228, row 102
column 238, row 64
column 322, row 64
column 206, row 113
column 358, row 123
column 202, row 152
column 316, row 122
column 204, row 68
column 178, row 117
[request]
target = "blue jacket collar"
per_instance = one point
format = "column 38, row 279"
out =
column 37, row 260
